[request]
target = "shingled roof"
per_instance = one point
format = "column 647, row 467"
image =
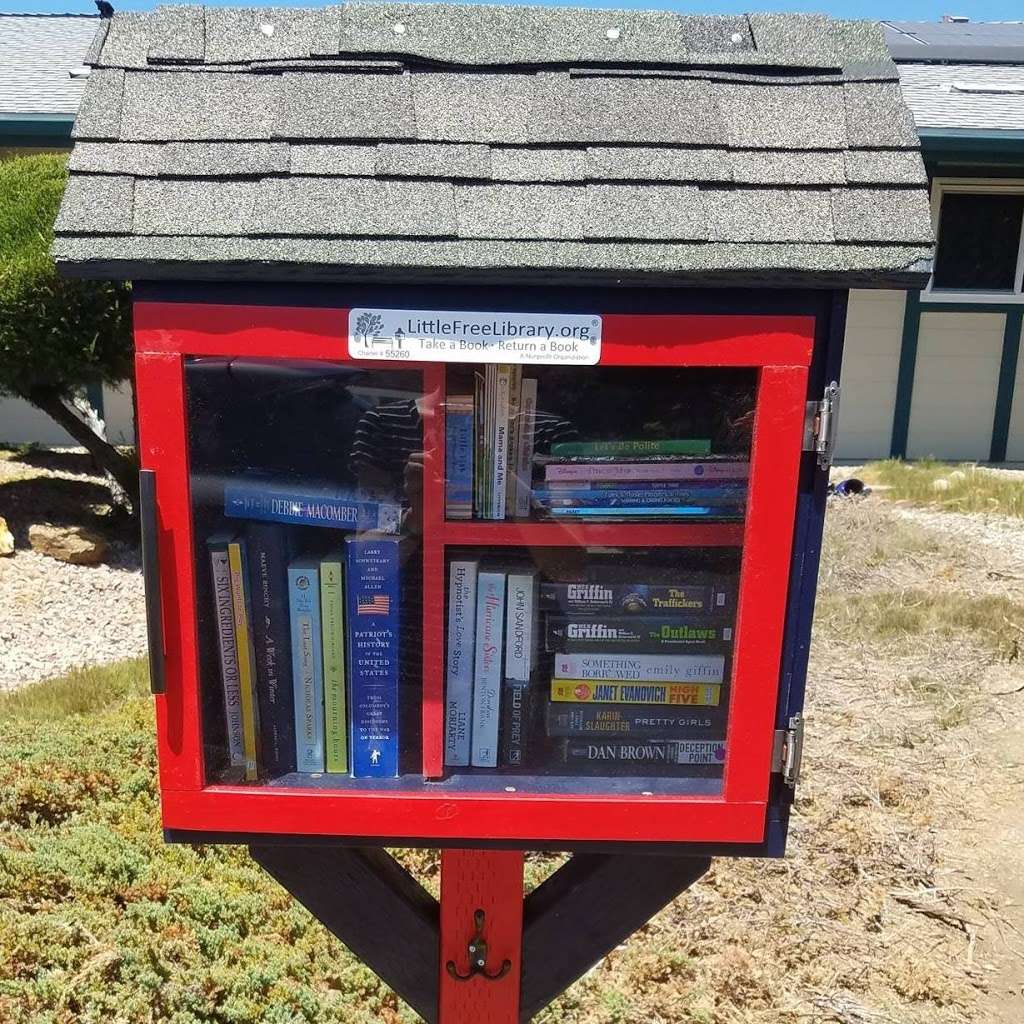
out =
column 397, row 141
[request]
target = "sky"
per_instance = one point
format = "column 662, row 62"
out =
column 906, row 10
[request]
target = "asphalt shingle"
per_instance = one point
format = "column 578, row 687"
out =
column 520, row 211
column 418, row 160
column 882, row 215
column 224, row 159
column 345, row 106
column 783, row 116
column 99, row 116
column 769, row 215
column 242, row 34
column 334, row 160
column 101, row 205
column 774, row 167
column 523, row 163
column 885, row 167
column 877, row 116
column 140, row 160
column 127, row 42
column 650, row 163
column 177, row 34
column 198, row 207
column 652, row 213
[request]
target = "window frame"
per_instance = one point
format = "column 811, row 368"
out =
column 976, row 186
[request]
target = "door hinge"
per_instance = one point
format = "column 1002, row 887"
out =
column 820, row 424
column 788, row 750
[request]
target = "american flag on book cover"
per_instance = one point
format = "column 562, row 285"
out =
column 373, row 604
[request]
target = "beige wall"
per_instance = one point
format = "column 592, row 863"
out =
column 871, row 359
column 955, row 385
column 21, row 423
column 1015, row 441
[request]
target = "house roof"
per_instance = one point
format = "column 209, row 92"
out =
column 513, row 143
column 37, row 54
column 982, row 97
column 963, row 42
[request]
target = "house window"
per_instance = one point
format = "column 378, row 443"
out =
column 980, row 251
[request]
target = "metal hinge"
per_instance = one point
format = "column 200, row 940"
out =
column 820, row 424
column 788, row 750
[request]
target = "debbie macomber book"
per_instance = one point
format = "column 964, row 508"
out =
column 458, row 695
column 635, row 634
column 586, row 691
column 667, row 668
column 312, row 506
column 307, row 663
column 372, row 586
column 220, row 574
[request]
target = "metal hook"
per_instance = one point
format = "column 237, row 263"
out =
column 477, row 951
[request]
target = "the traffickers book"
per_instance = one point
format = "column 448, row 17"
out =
column 332, row 624
column 638, row 598
column 307, row 663
column 220, row 573
column 641, row 692
column 372, row 577
column 490, row 618
column 458, row 701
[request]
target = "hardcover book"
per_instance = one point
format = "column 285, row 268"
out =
column 666, row 668
column 653, row 469
column 520, row 640
column 637, row 634
column 648, row 752
column 459, row 457
column 635, row 720
column 646, row 512
column 268, row 553
column 300, row 506
column 244, row 653
column 639, row 446
column 224, row 611
column 490, row 617
column 696, row 494
column 332, row 623
column 588, row 691
column 307, row 663
column 459, row 672
column 372, row 575
column 639, row 598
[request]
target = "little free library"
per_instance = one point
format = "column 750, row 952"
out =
column 487, row 365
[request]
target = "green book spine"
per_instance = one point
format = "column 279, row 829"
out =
column 682, row 446
column 332, row 617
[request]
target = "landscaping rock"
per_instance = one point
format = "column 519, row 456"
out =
column 6, row 538
column 77, row 545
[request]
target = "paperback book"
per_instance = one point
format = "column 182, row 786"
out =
column 487, row 680
column 634, row 721
column 300, row 506
column 307, row 663
column 652, row 469
column 520, row 639
column 332, row 622
column 245, row 655
column 224, row 611
column 637, row 634
column 727, row 495
column 639, row 598
column 642, row 692
column 459, row 457
column 668, row 668
column 636, row 446
column 647, row 752
column 462, row 578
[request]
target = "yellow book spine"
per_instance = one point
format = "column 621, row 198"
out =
column 589, row 691
column 243, row 645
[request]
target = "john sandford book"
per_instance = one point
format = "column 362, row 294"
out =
column 520, row 641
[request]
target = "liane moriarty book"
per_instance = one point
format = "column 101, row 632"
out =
column 458, row 694
column 299, row 505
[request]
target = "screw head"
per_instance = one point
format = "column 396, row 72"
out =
column 735, row 38
column 398, row 28
column 267, row 28
column 613, row 33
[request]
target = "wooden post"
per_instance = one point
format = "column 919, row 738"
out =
column 491, row 882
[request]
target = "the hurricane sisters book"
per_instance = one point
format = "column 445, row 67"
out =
column 458, row 697
column 246, row 659
column 332, row 626
column 220, row 574
column 490, row 618
column 307, row 663
column 372, row 588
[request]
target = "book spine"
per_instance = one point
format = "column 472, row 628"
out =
column 480, row 412
column 267, row 550
column 500, row 443
column 459, row 682
column 307, row 666
column 244, row 651
column 490, row 376
column 634, row 720
column 459, row 458
column 637, row 598
column 555, row 487
column 221, row 574
column 648, row 512
column 372, row 574
column 248, row 501
column 725, row 494
column 520, row 640
column 515, row 397
column 634, row 634
column 490, row 613
column 647, row 471
column 681, row 446
column 666, row 668
column 674, row 752
column 332, row 619
column 588, row 691
column 524, row 446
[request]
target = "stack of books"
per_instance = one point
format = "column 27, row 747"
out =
column 638, row 673
column 308, row 641
column 489, row 439
column 640, row 479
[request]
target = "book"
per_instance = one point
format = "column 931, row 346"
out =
column 653, row 469
column 638, row 446
column 372, row 576
column 267, row 549
column 224, row 612
column 307, row 663
column 640, row 598
column 697, row 494
column 646, row 512
column 515, row 394
column 490, row 616
column 635, row 634
column 308, row 506
column 641, row 692
column 459, row 456
column 520, row 642
column 634, row 720
column 500, row 440
column 332, row 630
column 244, row 653
column 479, row 391
column 459, row 663
column 666, row 668
column 646, row 752
column 524, row 447
column 555, row 487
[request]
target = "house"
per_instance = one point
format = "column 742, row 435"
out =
column 43, row 72
column 937, row 371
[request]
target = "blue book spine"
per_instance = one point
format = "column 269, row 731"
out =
column 268, row 579
column 336, row 510
column 307, row 664
column 458, row 458
column 642, row 496
column 372, row 583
